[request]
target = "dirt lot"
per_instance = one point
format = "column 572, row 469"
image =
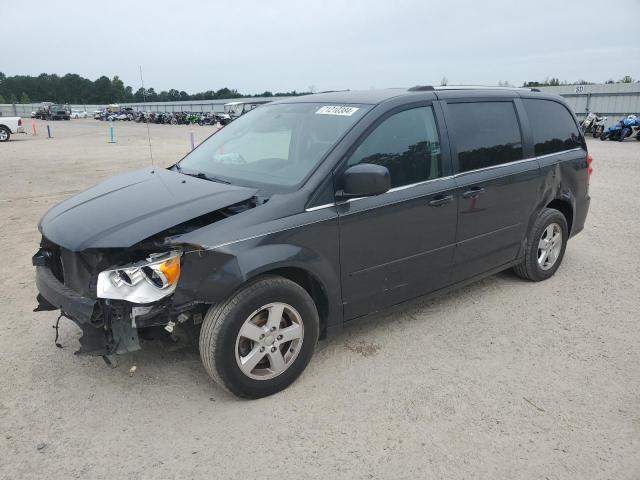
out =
column 503, row 380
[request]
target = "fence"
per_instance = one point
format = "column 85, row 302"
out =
column 613, row 100
column 24, row 110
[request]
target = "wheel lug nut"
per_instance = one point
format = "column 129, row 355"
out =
column 279, row 337
column 273, row 349
column 262, row 349
column 273, row 329
column 261, row 336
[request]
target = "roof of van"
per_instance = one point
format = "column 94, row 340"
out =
column 373, row 97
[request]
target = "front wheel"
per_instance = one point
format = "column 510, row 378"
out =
column 604, row 135
column 259, row 341
column 546, row 243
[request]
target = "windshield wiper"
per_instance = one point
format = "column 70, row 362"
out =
column 202, row 175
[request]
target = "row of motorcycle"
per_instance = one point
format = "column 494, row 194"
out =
column 166, row 118
column 626, row 127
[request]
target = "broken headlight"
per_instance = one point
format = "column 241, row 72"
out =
column 142, row 282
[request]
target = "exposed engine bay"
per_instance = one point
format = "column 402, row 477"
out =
column 122, row 296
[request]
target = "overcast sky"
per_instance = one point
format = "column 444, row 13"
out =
column 282, row 45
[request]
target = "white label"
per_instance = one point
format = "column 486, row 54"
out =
column 580, row 89
column 337, row 110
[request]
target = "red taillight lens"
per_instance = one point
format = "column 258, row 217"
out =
column 19, row 122
column 589, row 168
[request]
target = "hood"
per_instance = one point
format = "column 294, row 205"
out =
column 127, row 209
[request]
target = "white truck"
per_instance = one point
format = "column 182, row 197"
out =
column 9, row 125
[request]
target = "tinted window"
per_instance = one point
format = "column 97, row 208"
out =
column 552, row 126
column 407, row 144
column 486, row 133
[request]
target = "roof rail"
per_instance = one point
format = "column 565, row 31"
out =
column 483, row 87
column 421, row 88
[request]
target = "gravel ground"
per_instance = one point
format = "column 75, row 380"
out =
column 504, row 379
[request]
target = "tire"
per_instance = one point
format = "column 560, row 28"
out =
column 5, row 134
column 222, row 345
column 604, row 136
column 531, row 268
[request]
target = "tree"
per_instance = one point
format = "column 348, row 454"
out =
column 24, row 98
column 117, row 89
column 444, row 81
column 102, row 92
column 128, row 94
column 2, row 100
column 626, row 79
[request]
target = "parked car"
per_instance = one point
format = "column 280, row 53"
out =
column 8, row 126
column 350, row 203
column 57, row 112
column 79, row 114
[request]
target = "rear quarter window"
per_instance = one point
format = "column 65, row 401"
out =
column 552, row 127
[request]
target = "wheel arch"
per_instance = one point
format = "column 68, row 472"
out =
column 312, row 285
column 566, row 208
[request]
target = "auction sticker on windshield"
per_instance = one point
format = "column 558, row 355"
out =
column 337, row 110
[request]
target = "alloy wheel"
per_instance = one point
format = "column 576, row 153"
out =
column 549, row 246
column 269, row 341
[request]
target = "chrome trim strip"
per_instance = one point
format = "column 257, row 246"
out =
column 320, row 207
column 396, row 189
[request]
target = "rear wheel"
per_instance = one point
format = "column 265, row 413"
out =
column 546, row 244
column 261, row 339
column 5, row 134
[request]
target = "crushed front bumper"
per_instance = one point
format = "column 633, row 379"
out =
column 106, row 329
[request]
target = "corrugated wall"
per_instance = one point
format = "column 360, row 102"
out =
column 24, row 110
column 615, row 100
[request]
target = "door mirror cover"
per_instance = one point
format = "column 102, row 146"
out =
column 365, row 180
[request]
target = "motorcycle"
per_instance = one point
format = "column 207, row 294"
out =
column 623, row 129
column 593, row 124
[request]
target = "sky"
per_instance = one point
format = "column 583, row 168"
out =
column 283, row 45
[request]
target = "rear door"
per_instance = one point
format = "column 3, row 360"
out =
column 399, row 245
column 496, row 185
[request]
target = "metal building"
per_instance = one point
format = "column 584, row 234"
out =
column 616, row 100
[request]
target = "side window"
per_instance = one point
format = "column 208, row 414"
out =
column 407, row 144
column 486, row 134
column 552, row 126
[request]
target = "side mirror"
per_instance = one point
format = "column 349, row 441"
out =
column 365, row 180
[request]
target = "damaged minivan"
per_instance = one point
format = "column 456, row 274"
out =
column 310, row 212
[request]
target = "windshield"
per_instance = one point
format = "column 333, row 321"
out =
column 273, row 147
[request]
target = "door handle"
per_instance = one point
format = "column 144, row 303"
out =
column 474, row 192
column 440, row 200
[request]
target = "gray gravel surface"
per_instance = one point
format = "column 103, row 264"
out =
column 504, row 379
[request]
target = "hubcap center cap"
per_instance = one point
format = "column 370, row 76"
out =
column 269, row 339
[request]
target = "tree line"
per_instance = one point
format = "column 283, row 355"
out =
column 75, row 89
column 552, row 82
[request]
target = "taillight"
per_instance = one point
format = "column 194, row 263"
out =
column 589, row 168
column 19, row 122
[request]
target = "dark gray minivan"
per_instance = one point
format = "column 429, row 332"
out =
column 310, row 212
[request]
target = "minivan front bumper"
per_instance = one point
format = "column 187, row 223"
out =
column 78, row 308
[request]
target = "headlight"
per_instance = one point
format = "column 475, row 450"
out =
column 143, row 282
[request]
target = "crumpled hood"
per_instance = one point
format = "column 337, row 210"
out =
column 129, row 208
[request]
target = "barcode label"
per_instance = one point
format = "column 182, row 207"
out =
column 337, row 110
